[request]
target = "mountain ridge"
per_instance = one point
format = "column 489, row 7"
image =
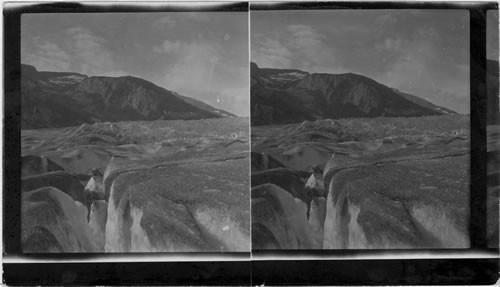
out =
column 59, row 99
column 297, row 95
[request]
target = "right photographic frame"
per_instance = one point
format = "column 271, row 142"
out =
column 360, row 129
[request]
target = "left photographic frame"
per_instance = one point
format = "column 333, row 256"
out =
column 134, row 130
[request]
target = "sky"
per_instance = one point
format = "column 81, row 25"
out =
column 203, row 55
column 421, row 52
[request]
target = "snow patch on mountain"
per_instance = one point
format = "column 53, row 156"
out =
column 288, row 77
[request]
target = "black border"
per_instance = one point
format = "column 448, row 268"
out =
column 128, row 274
column 318, row 272
column 372, row 4
column 12, row 133
column 376, row 272
column 271, row 272
column 478, row 114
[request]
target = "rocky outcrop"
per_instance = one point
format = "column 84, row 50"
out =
column 279, row 220
column 186, row 206
column 53, row 222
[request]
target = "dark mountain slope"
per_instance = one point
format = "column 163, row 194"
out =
column 287, row 96
column 204, row 106
column 424, row 103
column 270, row 102
column 275, row 78
column 51, row 99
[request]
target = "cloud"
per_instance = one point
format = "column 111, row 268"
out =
column 199, row 69
column 197, row 16
column 47, row 56
column 304, row 48
column 312, row 52
column 180, row 19
column 89, row 53
column 80, row 51
column 235, row 100
column 393, row 17
column 391, row 45
column 310, row 44
column 194, row 69
column 304, row 36
column 268, row 52
column 168, row 47
column 418, row 67
column 387, row 18
column 165, row 21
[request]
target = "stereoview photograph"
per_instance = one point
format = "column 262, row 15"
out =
column 360, row 129
column 135, row 132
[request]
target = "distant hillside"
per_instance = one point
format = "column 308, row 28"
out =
column 425, row 103
column 205, row 106
column 289, row 96
column 53, row 99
